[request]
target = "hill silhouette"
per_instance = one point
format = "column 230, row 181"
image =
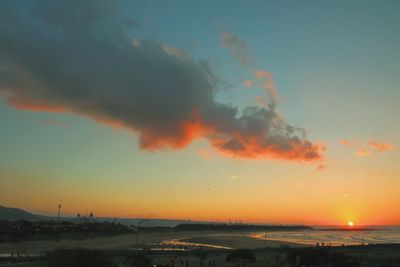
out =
column 14, row 214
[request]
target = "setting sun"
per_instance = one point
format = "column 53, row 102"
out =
column 350, row 224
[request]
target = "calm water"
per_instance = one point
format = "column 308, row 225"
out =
column 336, row 236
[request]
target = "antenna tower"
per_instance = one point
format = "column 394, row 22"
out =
column 59, row 210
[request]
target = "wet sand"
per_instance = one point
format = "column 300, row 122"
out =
column 132, row 241
column 235, row 241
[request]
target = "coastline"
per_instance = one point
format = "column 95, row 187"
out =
column 236, row 241
column 159, row 240
column 186, row 240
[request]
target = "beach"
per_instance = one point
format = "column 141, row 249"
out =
column 186, row 246
column 211, row 239
column 158, row 240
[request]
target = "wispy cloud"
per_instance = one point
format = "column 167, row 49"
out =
column 262, row 74
column 345, row 142
column 380, row 147
column 267, row 83
column 362, row 153
column 237, row 48
column 205, row 153
column 321, row 167
column 248, row 83
column 54, row 123
column 374, row 147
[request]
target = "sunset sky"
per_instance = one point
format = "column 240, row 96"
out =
column 260, row 111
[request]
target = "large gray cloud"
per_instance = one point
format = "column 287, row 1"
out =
column 82, row 57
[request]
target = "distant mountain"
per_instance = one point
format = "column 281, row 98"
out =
column 146, row 222
column 14, row 214
column 231, row 227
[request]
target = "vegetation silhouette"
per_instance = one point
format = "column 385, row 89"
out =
column 202, row 255
column 78, row 258
column 319, row 257
column 139, row 260
column 242, row 257
column 26, row 230
column 343, row 256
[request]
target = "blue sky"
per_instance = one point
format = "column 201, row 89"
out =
column 335, row 65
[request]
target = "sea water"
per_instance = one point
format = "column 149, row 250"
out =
column 336, row 236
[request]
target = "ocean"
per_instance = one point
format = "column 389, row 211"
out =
column 336, row 236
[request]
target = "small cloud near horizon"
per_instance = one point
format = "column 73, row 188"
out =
column 53, row 122
column 362, row 153
column 266, row 81
column 205, row 153
column 345, row 142
column 248, row 83
column 322, row 167
column 376, row 147
column 380, row 147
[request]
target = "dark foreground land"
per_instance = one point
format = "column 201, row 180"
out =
column 24, row 230
column 68, row 244
column 350, row 256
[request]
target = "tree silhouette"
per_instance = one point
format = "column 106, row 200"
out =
column 242, row 257
column 139, row 260
column 78, row 258
column 308, row 257
column 342, row 260
column 202, row 255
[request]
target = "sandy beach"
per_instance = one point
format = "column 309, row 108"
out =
column 131, row 241
column 235, row 241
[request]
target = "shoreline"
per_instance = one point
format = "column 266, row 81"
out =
column 236, row 242
column 165, row 240
column 191, row 239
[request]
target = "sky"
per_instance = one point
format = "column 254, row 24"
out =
column 280, row 112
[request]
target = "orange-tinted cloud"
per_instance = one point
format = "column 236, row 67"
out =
column 191, row 128
column 23, row 103
column 267, row 83
column 321, row 167
column 248, row 147
column 270, row 87
column 176, row 52
column 262, row 101
column 345, row 142
column 380, row 147
column 236, row 144
column 205, row 153
column 163, row 95
column 237, row 48
column 248, row 83
column 263, row 74
column 106, row 121
column 54, row 123
column 362, row 153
